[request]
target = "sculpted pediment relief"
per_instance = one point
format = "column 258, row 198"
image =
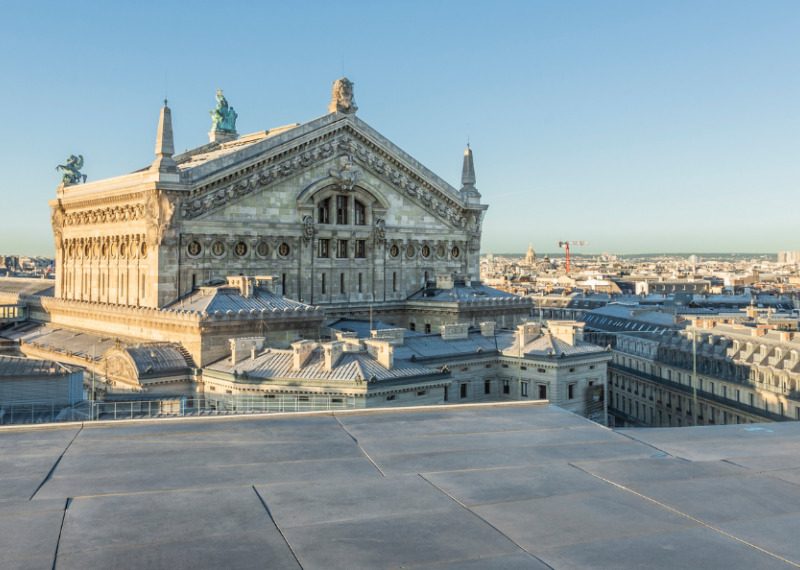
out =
column 356, row 153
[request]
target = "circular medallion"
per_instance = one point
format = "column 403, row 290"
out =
column 455, row 252
column 283, row 249
column 262, row 249
column 240, row 249
column 218, row 248
column 194, row 248
column 425, row 251
column 440, row 251
column 410, row 251
column 394, row 251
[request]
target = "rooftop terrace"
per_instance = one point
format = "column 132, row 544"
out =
column 484, row 486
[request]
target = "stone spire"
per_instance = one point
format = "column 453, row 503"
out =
column 468, row 190
column 165, row 145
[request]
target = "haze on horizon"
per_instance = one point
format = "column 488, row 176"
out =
column 639, row 127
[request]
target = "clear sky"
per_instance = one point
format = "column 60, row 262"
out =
column 638, row 126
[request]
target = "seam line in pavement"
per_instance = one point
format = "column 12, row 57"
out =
column 361, row 449
column 53, row 468
column 688, row 516
column 479, row 517
column 277, row 527
column 67, row 503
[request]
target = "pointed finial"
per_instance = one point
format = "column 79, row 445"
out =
column 165, row 144
column 468, row 190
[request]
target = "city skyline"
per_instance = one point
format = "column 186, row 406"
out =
column 640, row 129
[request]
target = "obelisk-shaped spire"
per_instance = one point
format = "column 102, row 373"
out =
column 468, row 171
column 165, row 145
column 468, row 190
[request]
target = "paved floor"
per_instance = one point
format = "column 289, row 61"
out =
column 445, row 487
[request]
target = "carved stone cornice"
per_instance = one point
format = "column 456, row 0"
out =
column 345, row 141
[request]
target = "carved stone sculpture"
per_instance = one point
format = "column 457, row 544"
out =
column 342, row 100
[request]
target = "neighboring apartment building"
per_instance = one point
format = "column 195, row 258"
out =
column 744, row 373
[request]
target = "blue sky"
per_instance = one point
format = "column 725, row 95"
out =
column 637, row 126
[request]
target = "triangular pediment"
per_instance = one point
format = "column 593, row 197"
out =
column 336, row 139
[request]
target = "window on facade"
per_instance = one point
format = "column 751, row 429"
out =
column 341, row 282
column 487, row 386
column 427, row 327
column 464, row 390
column 323, row 211
column 360, row 214
column 523, row 389
column 542, row 391
column 412, row 326
column 422, row 392
column 341, row 248
column 394, row 281
column 322, row 283
column 341, row 209
column 571, row 391
column 361, row 248
column 360, row 283
column 506, row 387
column 324, row 248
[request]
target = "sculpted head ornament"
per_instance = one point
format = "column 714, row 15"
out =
column 342, row 100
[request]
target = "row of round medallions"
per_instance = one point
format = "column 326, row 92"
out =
column 240, row 249
column 424, row 251
column 262, row 249
column 104, row 250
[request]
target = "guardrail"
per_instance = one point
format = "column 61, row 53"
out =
column 39, row 412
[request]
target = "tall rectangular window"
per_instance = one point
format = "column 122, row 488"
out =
column 361, row 248
column 394, row 281
column 360, row 214
column 341, row 282
column 341, row 209
column 323, row 284
column 360, row 283
column 341, row 248
column 323, row 248
column 523, row 389
column 571, row 391
column 506, row 387
column 323, row 211
column 542, row 391
column 464, row 390
column 487, row 386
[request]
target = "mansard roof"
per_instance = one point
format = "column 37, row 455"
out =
column 224, row 298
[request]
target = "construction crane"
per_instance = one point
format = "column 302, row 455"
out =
column 566, row 244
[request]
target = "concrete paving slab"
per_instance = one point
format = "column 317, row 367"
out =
column 695, row 548
column 581, row 517
column 522, row 561
column 485, row 486
column 659, row 469
column 19, row 488
column 722, row 499
column 292, row 505
column 395, row 541
column 777, row 534
column 505, row 457
column 479, row 441
column 29, row 532
column 229, row 526
column 247, row 550
column 169, row 476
